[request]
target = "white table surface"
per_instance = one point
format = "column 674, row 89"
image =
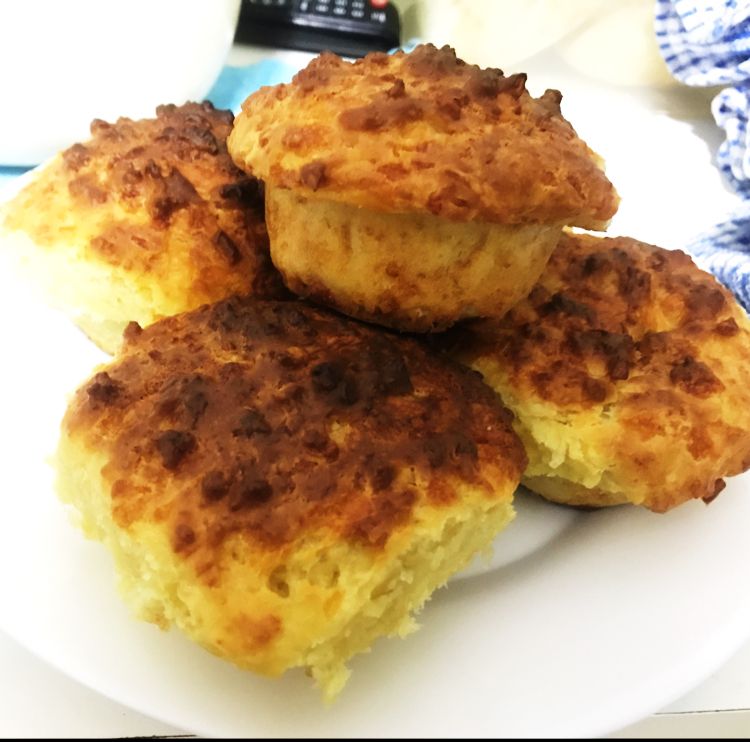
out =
column 38, row 701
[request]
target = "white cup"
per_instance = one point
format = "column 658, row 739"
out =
column 66, row 62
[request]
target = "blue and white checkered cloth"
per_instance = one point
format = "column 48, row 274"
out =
column 705, row 43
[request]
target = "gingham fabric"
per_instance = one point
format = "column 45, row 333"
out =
column 707, row 43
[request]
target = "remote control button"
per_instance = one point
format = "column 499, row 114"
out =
column 322, row 7
column 377, row 16
column 378, row 3
column 304, row 6
column 357, row 13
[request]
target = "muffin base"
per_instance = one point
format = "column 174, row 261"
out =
column 411, row 272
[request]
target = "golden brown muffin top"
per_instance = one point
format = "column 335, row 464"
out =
column 157, row 197
column 638, row 333
column 272, row 419
column 423, row 132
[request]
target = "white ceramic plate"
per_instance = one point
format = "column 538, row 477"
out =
column 582, row 624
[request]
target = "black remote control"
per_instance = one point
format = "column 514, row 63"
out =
column 351, row 28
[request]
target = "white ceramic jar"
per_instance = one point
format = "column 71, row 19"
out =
column 65, row 62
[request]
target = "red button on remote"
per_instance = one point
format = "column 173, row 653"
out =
column 378, row 3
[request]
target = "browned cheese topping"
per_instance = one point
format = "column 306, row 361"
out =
column 271, row 419
column 159, row 197
column 611, row 310
column 423, row 132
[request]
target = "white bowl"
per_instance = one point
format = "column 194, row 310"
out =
column 66, row 62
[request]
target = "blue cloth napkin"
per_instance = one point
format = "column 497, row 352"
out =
column 236, row 83
column 706, row 43
column 230, row 89
column 7, row 174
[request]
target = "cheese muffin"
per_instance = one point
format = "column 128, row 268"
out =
column 147, row 219
column 414, row 190
column 283, row 484
column 628, row 370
